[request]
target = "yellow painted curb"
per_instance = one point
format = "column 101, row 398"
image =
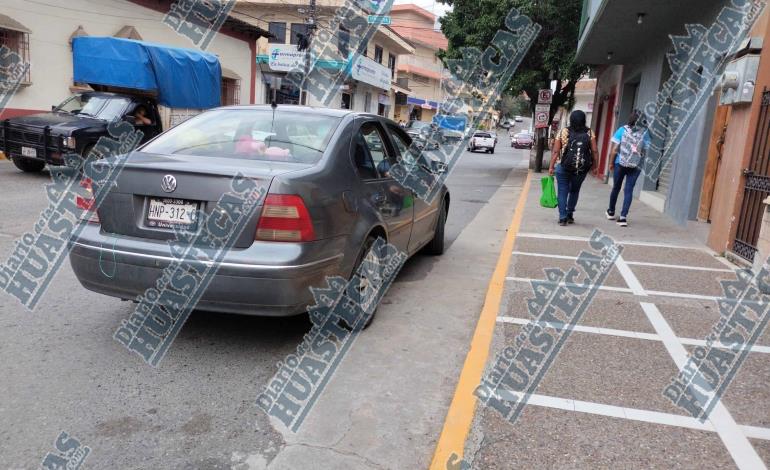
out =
column 461, row 411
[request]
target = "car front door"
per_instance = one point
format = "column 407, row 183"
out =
column 373, row 158
column 424, row 213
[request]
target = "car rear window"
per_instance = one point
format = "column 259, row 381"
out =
column 483, row 136
column 255, row 134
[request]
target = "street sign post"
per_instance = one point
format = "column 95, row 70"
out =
column 545, row 96
column 379, row 19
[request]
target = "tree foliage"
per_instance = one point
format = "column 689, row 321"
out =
column 473, row 23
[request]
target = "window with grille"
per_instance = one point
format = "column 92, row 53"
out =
column 378, row 54
column 231, row 91
column 392, row 65
column 18, row 42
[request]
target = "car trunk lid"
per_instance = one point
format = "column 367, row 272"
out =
column 140, row 204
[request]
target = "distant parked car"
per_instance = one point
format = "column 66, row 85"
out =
column 522, row 140
column 519, row 118
column 507, row 124
column 329, row 195
column 482, row 141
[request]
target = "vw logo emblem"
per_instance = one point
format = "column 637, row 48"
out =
column 168, row 183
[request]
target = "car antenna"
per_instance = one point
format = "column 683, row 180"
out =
column 273, row 105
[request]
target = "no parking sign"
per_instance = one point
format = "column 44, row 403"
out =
column 541, row 116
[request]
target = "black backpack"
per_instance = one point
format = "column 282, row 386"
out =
column 577, row 156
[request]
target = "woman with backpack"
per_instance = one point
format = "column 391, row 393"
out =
column 574, row 149
column 628, row 146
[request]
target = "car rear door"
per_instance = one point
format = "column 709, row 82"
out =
column 424, row 213
column 373, row 158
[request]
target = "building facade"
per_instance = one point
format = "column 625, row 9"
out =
column 42, row 35
column 371, row 75
column 630, row 48
column 720, row 173
column 422, row 72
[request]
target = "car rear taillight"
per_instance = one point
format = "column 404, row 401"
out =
column 285, row 219
column 87, row 202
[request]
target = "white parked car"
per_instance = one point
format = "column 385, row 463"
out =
column 482, row 141
column 519, row 118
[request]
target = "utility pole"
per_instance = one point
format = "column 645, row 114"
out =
column 310, row 27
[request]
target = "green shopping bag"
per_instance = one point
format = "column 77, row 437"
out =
column 548, row 198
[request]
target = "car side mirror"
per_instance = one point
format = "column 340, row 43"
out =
column 53, row 107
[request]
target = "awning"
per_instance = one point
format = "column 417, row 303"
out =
column 612, row 26
column 6, row 22
column 227, row 73
column 399, row 89
column 424, row 104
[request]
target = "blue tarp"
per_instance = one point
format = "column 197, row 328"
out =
column 455, row 123
column 182, row 78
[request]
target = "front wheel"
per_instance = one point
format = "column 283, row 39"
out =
column 436, row 246
column 28, row 165
column 492, row 151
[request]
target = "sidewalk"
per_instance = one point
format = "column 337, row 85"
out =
column 599, row 402
column 644, row 223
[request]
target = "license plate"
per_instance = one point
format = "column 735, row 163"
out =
column 168, row 212
column 28, row 152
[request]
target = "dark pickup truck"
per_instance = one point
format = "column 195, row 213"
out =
column 126, row 75
column 75, row 125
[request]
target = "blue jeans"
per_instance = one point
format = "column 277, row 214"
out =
column 568, row 189
column 630, row 174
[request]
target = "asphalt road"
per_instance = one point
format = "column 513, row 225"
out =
column 61, row 370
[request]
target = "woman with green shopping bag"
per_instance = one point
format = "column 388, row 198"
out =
column 548, row 198
column 573, row 149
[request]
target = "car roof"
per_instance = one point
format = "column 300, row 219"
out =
column 301, row 109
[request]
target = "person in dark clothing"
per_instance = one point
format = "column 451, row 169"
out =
column 569, row 180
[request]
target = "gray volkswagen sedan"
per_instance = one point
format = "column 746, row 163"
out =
column 329, row 196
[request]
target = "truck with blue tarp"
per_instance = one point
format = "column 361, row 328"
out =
column 452, row 127
column 130, row 79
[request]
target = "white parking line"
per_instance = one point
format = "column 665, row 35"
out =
column 634, row 414
column 628, row 334
column 551, row 236
column 743, row 453
column 741, row 450
column 626, row 290
column 631, row 263
column 628, row 276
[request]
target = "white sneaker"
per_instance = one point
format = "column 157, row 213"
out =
column 623, row 222
column 609, row 216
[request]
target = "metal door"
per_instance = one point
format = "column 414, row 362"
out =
column 756, row 186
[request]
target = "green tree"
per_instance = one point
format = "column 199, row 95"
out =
column 473, row 23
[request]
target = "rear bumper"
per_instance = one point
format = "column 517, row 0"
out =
column 257, row 280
